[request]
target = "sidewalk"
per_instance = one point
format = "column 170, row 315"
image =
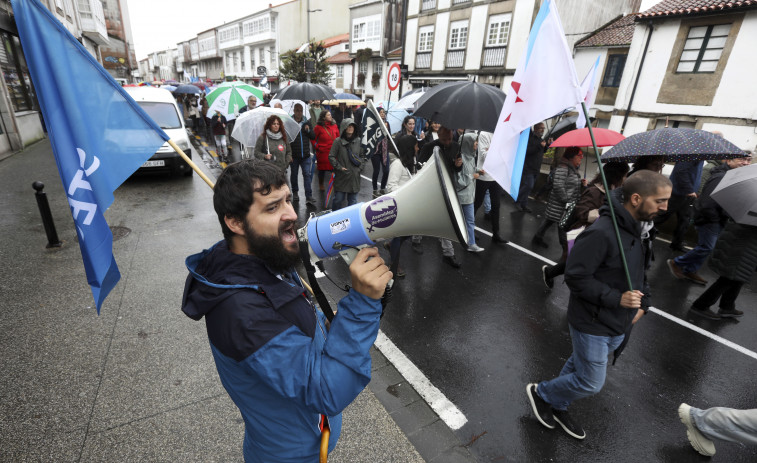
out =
column 137, row 382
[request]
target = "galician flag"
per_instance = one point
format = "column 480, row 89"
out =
column 545, row 83
column 588, row 93
column 99, row 135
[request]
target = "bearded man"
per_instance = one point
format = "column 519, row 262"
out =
column 287, row 372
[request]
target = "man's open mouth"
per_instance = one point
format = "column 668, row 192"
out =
column 288, row 234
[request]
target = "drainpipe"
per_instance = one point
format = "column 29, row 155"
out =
column 638, row 74
column 402, row 40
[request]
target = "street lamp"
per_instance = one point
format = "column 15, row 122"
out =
column 310, row 11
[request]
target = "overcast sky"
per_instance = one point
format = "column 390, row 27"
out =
column 159, row 24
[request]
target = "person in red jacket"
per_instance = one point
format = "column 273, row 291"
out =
column 326, row 131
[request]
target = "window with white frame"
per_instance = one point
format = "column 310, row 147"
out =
column 363, row 68
column 258, row 26
column 499, row 30
column 378, row 67
column 69, row 9
column 208, row 44
column 703, row 47
column 425, row 38
column 229, row 34
column 340, row 71
column 458, row 35
column 366, row 29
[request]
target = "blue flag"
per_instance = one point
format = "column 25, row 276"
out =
column 99, row 135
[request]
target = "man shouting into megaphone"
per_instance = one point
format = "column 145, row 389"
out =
column 289, row 375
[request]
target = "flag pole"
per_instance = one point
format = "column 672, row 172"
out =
column 191, row 164
column 609, row 200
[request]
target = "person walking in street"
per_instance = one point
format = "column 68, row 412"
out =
column 734, row 259
column 204, row 115
column 601, row 308
column 301, row 157
column 486, row 184
column 431, row 134
column 566, row 188
column 326, row 132
column 252, row 103
column 717, row 423
column 587, row 210
column 686, row 177
column 401, row 170
column 341, row 113
column 532, row 165
column 380, row 161
column 449, row 153
column 346, row 157
column 466, row 187
column 218, row 127
column 287, row 373
column 272, row 144
column 709, row 220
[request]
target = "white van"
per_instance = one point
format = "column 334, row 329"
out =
column 161, row 106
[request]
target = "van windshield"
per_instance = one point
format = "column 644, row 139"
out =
column 164, row 114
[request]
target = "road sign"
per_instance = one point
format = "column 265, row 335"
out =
column 393, row 77
column 309, row 66
column 262, row 70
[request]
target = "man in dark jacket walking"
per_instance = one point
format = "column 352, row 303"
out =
column 532, row 165
column 709, row 221
column 601, row 308
column 287, row 372
column 301, row 157
column 686, row 177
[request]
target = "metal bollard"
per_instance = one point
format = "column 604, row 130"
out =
column 47, row 216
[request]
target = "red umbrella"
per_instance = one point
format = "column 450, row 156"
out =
column 581, row 137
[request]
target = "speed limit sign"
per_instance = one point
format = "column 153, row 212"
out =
column 393, row 77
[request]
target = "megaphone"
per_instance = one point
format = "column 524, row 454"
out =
column 426, row 205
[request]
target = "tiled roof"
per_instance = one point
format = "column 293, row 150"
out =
column 396, row 53
column 617, row 32
column 336, row 40
column 686, row 7
column 340, row 58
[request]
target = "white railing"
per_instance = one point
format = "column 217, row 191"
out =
column 455, row 58
column 493, row 56
column 428, row 5
column 423, row 60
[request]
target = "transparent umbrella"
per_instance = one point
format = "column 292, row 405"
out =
column 249, row 125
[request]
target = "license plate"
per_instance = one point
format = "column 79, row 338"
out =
column 160, row 163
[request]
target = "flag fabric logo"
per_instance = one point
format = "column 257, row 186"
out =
column 544, row 84
column 588, row 93
column 371, row 130
column 99, row 135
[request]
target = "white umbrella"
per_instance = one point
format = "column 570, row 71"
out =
column 407, row 102
column 249, row 124
column 737, row 194
column 288, row 105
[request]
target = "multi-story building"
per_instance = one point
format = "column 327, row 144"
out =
column 249, row 43
column 448, row 40
column 210, row 64
column 118, row 54
column 691, row 64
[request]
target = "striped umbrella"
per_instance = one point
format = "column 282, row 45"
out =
column 229, row 97
column 330, row 189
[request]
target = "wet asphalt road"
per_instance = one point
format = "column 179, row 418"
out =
column 481, row 333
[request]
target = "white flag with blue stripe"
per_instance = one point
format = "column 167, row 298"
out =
column 588, row 92
column 544, row 84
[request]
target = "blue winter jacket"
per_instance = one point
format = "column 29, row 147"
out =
column 273, row 352
column 686, row 177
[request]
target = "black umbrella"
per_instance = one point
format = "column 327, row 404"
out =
column 305, row 91
column 187, row 89
column 462, row 105
column 674, row 145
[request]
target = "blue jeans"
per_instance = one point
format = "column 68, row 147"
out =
column 487, row 202
column 306, row 165
column 470, row 222
column 526, row 185
column 727, row 424
column 340, row 196
column 584, row 373
column 707, row 236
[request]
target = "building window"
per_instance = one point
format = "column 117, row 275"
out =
column 258, row 26
column 703, row 48
column 59, row 5
column 273, row 57
column 499, row 30
column 458, row 36
column 428, row 5
column 228, row 34
column 16, row 73
column 69, row 9
column 241, row 60
column 340, row 71
column 425, row 38
column 367, row 30
column 363, row 68
column 378, row 67
column 614, row 70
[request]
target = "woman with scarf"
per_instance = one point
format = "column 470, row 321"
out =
column 346, row 158
column 466, row 186
column 326, row 132
column 380, row 160
column 272, row 144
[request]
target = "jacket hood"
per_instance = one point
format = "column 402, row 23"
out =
column 467, row 142
column 624, row 218
column 346, row 122
column 217, row 273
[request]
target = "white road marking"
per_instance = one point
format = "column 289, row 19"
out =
column 438, row 402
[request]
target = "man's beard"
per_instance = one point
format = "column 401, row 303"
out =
column 271, row 249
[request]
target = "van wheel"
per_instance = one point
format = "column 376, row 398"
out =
column 189, row 172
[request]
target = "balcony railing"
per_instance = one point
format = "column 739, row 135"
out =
column 457, row 2
column 428, row 5
column 455, row 58
column 423, row 60
column 493, row 56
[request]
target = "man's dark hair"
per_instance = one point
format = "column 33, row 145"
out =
column 571, row 152
column 614, row 173
column 644, row 183
column 234, row 189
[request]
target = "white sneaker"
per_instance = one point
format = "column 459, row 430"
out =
column 475, row 248
column 700, row 443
